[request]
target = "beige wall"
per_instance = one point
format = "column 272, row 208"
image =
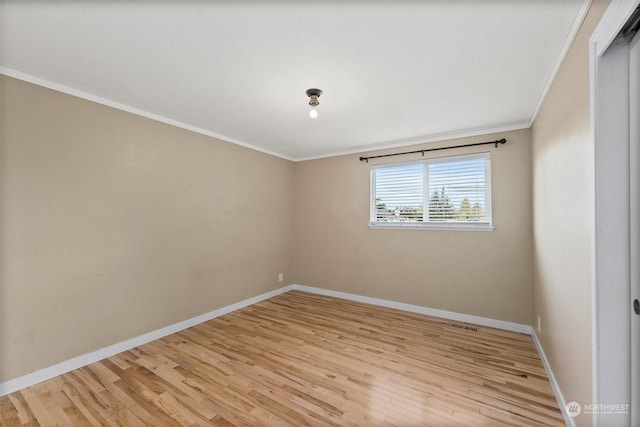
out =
column 116, row 225
column 562, row 178
column 480, row 273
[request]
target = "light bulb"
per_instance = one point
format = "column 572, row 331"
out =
column 313, row 113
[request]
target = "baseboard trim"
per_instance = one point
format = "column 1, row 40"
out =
column 482, row 321
column 86, row 359
column 569, row 420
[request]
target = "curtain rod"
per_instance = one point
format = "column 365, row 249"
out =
column 496, row 142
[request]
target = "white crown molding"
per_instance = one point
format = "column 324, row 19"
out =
column 129, row 109
column 444, row 136
column 367, row 148
column 573, row 32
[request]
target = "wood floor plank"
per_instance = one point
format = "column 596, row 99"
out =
column 303, row 359
column 35, row 397
column 23, row 410
column 8, row 413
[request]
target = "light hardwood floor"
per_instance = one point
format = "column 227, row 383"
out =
column 303, row 359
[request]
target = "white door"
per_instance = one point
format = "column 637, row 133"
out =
column 634, row 151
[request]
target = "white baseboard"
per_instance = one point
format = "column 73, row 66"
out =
column 483, row 321
column 569, row 420
column 467, row 318
column 86, row 359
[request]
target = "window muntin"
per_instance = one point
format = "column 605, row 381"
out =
column 453, row 192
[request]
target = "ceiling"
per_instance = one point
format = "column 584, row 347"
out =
column 392, row 72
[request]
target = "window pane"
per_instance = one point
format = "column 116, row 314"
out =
column 399, row 193
column 457, row 191
column 443, row 191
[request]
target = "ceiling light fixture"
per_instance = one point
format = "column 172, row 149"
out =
column 313, row 95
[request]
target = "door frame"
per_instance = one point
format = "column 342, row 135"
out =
column 609, row 132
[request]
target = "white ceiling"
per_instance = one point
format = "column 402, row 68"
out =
column 393, row 73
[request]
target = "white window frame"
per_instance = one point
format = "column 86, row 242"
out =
column 460, row 225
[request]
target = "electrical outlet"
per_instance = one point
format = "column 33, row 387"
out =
column 539, row 324
column 280, row 277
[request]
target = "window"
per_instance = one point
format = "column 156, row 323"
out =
column 447, row 192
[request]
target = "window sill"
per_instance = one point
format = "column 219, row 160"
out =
column 436, row 227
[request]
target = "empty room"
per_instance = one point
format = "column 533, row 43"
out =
column 314, row 213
